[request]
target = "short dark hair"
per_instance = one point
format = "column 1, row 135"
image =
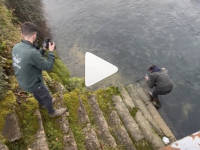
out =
column 28, row 28
column 152, row 67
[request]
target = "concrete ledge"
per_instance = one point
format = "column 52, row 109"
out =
column 141, row 105
column 128, row 121
column 148, row 132
column 101, row 123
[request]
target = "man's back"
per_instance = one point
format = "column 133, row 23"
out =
column 28, row 64
column 161, row 80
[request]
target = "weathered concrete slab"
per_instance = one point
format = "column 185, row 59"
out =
column 128, row 121
column 148, row 132
column 40, row 142
column 142, row 95
column 120, row 131
column 158, row 119
column 3, row 147
column 82, row 115
column 191, row 142
column 11, row 129
column 91, row 140
column 126, row 98
column 141, row 105
column 101, row 123
column 68, row 137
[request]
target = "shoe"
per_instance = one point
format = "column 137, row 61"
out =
column 58, row 112
column 53, row 101
column 156, row 103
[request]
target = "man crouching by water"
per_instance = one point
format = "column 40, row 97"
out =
column 28, row 64
column 159, row 79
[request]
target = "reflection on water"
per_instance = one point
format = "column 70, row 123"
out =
column 132, row 34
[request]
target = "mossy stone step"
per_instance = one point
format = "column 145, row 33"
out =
column 91, row 140
column 128, row 121
column 126, row 98
column 119, row 131
column 141, row 105
column 101, row 123
column 156, row 116
column 148, row 132
column 40, row 142
column 3, row 147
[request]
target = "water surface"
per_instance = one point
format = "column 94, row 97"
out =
column 132, row 34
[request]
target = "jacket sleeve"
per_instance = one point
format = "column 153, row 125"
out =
column 151, row 81
column 41, row 63
column 41, row 51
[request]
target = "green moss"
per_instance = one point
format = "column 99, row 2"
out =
column 6, row 106
column 55, row 77
column 61, row 70
column 53, row 132
column 28, row 122
column 72, row 102
column 133, row 111
column 13, row 83
column 76, row 83
column 143, row 145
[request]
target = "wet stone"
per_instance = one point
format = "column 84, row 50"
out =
column 11, row 128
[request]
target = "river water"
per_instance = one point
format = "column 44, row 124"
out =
column 132, row 34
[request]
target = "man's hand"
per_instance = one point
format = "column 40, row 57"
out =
column 51, row 47
column 147, row 78
column 44, row 48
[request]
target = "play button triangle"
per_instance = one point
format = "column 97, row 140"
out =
column 97, row 69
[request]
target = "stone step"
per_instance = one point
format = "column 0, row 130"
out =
column 40, row 142
column 126, row 98
column 128, row 121
column 119, row 131
column 148, row 132
column 68, row 136
column 3, row 147
column 141, row 105
column 91, row 140
column 156, row 116
column 101, row 123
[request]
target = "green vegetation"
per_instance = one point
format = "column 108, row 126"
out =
column 9, row 34
column 6, row 106
column 143, row 145
column 53, row 131
column 133, row 111
column 28, row 123
column 30, row 10
column 72, row 102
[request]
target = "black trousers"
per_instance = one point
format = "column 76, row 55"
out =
column 43, row 96
column 157, row 92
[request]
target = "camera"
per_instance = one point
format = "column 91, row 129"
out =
column 46, row 43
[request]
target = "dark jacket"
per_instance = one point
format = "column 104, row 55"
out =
column 28, row 64
column 160, row 80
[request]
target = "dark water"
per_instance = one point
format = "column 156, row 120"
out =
column 132, row 34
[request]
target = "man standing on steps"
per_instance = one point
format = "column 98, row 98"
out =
column 28, row 64
column 159, row 79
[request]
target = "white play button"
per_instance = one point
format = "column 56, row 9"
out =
column 97, row 69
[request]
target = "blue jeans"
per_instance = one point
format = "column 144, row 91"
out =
column 43, row 96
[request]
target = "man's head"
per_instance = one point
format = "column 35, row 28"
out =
column 29, row 31
column 152, row 67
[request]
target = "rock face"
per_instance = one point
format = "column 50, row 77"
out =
column 11, row 128
column 40, row 142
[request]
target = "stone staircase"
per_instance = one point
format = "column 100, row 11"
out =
column 103, row 120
